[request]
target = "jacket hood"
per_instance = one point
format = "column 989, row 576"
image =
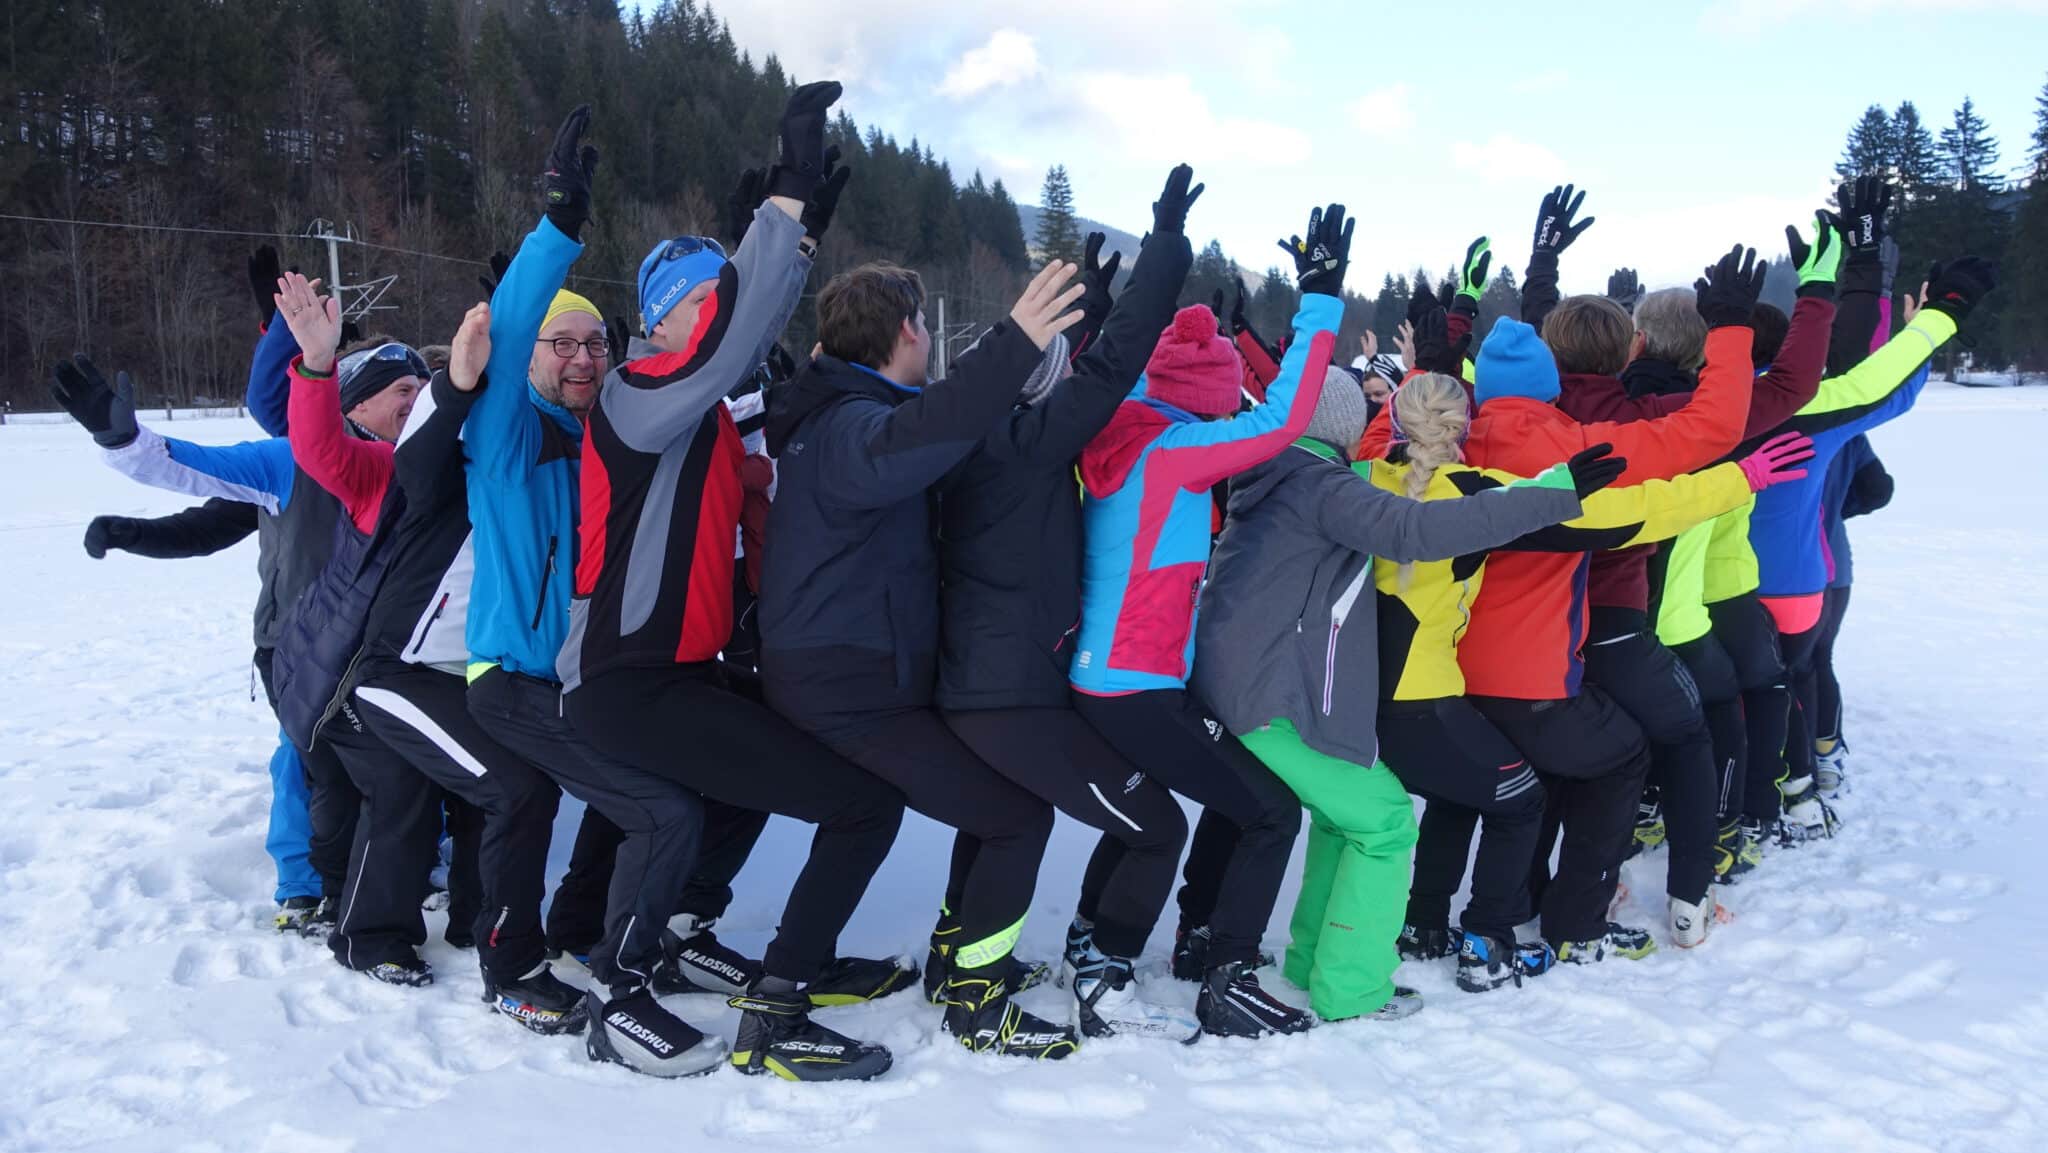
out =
column 1107, row 460
column 1646, row 376
column 1253, row 486
column 816, row 385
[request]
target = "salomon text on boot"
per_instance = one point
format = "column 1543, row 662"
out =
column 539, row 1000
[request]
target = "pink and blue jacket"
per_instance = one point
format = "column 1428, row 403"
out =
column 1145, row 513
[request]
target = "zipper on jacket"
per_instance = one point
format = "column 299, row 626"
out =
column 547, row 573
column 1057, row 645
column 1339, row 612
column 422, row 642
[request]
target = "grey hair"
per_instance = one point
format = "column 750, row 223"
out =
column 1673, row 328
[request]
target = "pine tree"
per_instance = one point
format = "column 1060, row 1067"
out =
column 1968, row 153
column 1008, row 228
column 2025, row 327
column 1869, row 150
column 1389, row 309
column 1211, row 272
column 2038, row 149
column 1914, row 167
column 1272, row 307
column 1059, row 234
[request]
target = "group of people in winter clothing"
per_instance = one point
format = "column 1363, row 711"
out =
column 1576, row 588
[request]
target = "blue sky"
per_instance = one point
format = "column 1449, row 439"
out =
column 1692, row 126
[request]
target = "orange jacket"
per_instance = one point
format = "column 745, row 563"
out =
column 1529, row 622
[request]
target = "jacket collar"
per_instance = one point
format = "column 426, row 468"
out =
column 1647, row 377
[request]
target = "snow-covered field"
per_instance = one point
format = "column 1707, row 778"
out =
column 1877, row 993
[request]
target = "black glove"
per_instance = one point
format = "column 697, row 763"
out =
column 824, row 199
column 1595, row 469
column 618, row 332
column 264, row 273
column 800, row 141
column 107, row 413
column 571, row 164
column 1320, row 261
column 1728, row 292
column 499, row 263
column 1238, row 323
column 1956, row 287
column 1625, row 288
column 1216, row 306
column 1869, row 490
column 741, row 202
column 1554, row 228
column 1864, row 202
column 780, row 365
column 1096, row 277
column 107, row 532
column 1170, row 211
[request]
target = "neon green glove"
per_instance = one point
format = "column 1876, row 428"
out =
column 1819, row 262
column 1472, row 277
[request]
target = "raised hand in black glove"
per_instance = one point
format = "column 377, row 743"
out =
column 107, row 532
column 1864, row 202
column 1170, row 211
column 264, row 273
column 1320, row 260
column 1956, row 287
column 1096, row 277
column 781, row 366
column 566, row 183
column 1554, row 228
column 1595, row 469
column 618, row 332
column 499, row 263
column 1238, row 322
column 1216, row 306
column 800, row 141
column 1624, row 288
column 107, row 413
column 741, row 202
column 824, row 199
column 1728, row 292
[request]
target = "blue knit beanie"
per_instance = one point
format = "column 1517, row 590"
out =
column 1514, row 361
column 671, row 271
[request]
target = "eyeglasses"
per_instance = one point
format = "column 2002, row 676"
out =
column 683, row 246
column 565, row 346
column 394, row 351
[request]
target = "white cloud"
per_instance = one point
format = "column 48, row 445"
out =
column 1505, row 159
column 1161, row 118
column 1749, row 17
column 1385, row 112
column 1010, row 57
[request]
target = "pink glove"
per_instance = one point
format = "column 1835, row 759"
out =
column 1772, row 464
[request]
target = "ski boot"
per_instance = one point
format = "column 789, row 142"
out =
column 778, row 1036
column 540, row 1001
column 1405, row 1002
column 856, row 980
column 1486, row 963
column 1426, row 944
column 1831, row 767
column 409, row 971
column 1807, row 817
column 1191, row 953
column 294, row 912
column 1079, row 949
column 938, row 964
column 1649, row 828
column 1691, row 922
column 1618, row 941
column 1231, row 1004
column 982, row 1017
column 694, row 961
column 1735, row 852
column 632, row 1029
column 1107, row 1001
column 318, row 924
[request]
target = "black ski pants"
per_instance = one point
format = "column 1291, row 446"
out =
column 423, row 714
column 662, row 822
column 1000, row 829
column 576, row 916
column 1057, row 756
column 1593, row 760
column 1826, row 692
column 1447, row 753
column 1655, row 689
column 1713, row 672
column 397, row 834
column 1746, row 631
column 332, row 802
column 1238, row 857
column 682, row 723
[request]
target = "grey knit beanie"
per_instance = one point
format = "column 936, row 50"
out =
column 1341, row 412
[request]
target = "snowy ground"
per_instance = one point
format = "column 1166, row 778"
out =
column 1879, row 992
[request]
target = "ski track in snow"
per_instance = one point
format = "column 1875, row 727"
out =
column 1873, row 993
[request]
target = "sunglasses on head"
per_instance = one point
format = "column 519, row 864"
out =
column 394, row 351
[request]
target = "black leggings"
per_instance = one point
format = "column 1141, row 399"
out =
column 1000, row 830
column 1658, row 693
column 1593, row 760
column 423, row 715
column 1713, row 671
column 1826, row 693
column 1444, row 751
column 1058, row 756
column 1746, row 631
column 681, row 723
column 1249, row 816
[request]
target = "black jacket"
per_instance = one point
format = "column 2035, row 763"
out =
column 201, row 530
column 418, row 614
column 1010, row 515
column 850, row 579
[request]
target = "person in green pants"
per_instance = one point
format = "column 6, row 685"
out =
column 1290, row 665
